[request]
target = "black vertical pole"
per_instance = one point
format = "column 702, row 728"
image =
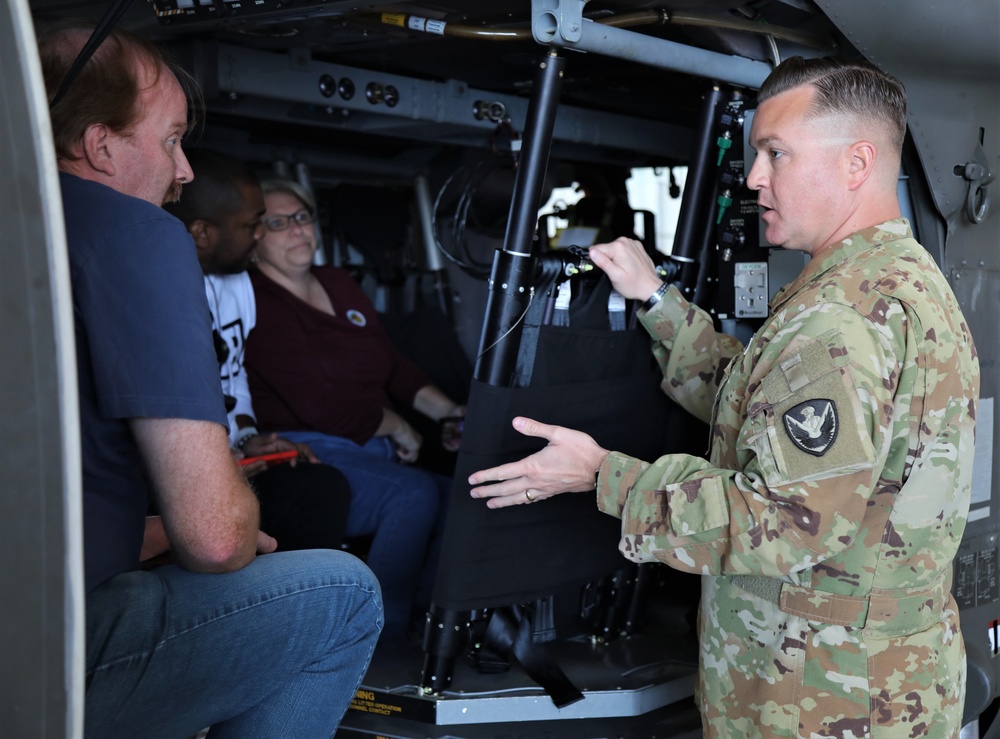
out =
column 446, row 630
column 511, row 278
column 697, row 204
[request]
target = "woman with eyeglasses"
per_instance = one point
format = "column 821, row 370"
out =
column 323, row 371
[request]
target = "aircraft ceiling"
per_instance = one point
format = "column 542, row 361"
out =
column 244, row 51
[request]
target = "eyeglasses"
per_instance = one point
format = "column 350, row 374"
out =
column 284, row 222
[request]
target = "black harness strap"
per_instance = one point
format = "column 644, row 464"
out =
column 108, row 21
column 509, row 631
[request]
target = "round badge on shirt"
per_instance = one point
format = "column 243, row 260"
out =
column 356, row 317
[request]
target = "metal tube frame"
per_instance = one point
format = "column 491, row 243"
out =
column 510, row 284
column 560, row 24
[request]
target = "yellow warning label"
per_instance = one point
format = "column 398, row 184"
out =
column 364, row 701
column 394, row 19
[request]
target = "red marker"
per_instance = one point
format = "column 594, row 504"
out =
column 271, row 459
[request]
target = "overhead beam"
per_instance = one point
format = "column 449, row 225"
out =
column 297, row 78
column 560, row 23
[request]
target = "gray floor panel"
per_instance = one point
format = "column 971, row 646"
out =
column 636, row 687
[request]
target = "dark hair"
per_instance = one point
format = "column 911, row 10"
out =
column 215, row 191
column 845, row 85
column 108, row 87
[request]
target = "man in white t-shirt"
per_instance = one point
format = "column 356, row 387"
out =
column 303, row 506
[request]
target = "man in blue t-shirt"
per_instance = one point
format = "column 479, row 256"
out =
column 272, row 646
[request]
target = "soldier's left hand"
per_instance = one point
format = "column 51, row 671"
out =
column 568, row 463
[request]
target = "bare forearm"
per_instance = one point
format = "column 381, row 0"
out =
column 434, row 404
column 209, row 513
column 406, row 439
column 391, row 424
column 154, row 539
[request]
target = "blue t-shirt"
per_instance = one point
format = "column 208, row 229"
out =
column 144, row 350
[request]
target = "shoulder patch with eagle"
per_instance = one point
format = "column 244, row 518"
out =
column 812, row 425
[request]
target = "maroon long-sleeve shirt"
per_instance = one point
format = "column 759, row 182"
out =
column 310, row 371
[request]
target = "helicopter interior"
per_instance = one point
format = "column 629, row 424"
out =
column 446, row 140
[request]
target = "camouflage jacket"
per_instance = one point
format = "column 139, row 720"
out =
column 832, row 502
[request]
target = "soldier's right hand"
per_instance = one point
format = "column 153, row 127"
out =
column 629, row 267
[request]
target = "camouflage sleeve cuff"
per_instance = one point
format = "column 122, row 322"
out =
column 615, row 478
column 661, row 319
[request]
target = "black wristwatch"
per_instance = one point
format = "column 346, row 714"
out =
column 655, row 297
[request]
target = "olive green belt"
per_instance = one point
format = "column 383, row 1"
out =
column 886, row 612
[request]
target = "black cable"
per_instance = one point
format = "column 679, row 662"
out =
column 480, row 173
column 434, row 227
column 107, row 23
column 455, row 225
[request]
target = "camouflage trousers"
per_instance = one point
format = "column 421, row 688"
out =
column 767, row 673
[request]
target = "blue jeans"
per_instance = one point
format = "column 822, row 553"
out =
column 402, row 507
column 276, row 649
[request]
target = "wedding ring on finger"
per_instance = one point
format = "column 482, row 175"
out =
column 527, row 494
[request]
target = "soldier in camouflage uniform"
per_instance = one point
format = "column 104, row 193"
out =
column 826, row 517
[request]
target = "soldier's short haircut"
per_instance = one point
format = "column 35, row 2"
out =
column 845, row 85
column 291, row 188
column 214, row 193
column 107, row 89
